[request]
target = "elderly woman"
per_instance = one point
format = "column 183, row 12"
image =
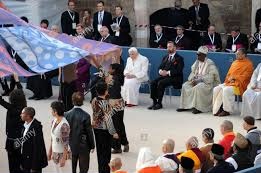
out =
column 193, row 153
column 135, row 72
column 146, row 163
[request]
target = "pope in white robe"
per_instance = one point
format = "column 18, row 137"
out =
column 197, row 92
column 251, row 105
column 135, row 72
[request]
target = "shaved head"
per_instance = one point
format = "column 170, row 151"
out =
column 168, row 146
column 115, row 164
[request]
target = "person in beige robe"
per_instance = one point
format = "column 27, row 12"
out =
column 197, row 92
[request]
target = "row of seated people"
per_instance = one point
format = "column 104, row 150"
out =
column 211, row 39
column 203, row 91
column 234, row 152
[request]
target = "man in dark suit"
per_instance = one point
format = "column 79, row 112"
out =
column 101, row 18
column 70, row 19
column 199, row 14
column 212, row 39
column 179, row 15
column 34, row 157
column 182, row 41
column 123, row 28
column 258, row 19
column 105, row 36
column 81, row 134
column 236, row 40
column 171, row 74
column 158, row 39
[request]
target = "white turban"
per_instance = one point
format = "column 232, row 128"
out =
column 203, row 49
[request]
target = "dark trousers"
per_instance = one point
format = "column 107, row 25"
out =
column 14, row 161
column 103, row 148
column 158, row 87
column 120, row 128
column 29, row 171
column 67, row 90
column 84, row 161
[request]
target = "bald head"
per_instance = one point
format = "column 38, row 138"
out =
column 192, row 143
column 168, row 146
column 226, row 127
column 115, row 164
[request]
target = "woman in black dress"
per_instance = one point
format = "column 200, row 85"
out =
column 14, row 126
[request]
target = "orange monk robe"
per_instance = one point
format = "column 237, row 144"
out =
column 119, row 171
column 150, row 169
column 240, row 70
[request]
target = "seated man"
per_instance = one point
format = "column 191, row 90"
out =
column 255, row 41
column 197, row 93
column 241, row 157
column 226, row 129
column 135, row 72
column 212, row 39
column 186, row 165
column 158, row 39
column 105, row 35
column 81, row 32
column 236, row 82
column 182, row 42
column 171, row 74
column 252, row 96
column 237, row 40
column 168, row 162
column 115, row 165
column 193, row 152
column 220, row 165
column 253, row 135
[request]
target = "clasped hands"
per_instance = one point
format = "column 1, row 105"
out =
column 129, row 76
column 163, row 73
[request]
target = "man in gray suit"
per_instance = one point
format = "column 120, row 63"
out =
column 81, row 134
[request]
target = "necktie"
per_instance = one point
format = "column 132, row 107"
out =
column 100, row 18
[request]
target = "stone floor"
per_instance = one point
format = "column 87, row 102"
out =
column 144, row 128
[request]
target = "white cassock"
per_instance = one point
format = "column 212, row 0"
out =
column 139, row 68
column 200, row 95
column 251, row 105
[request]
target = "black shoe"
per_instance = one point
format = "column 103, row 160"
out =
column 118, row 151
column 158, row 106
column 181, row 110
column 31, row 98
column 195, row 111
column 126, row 148
column 38, row 98
column 151, row 107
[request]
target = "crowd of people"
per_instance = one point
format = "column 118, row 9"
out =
column 74, row 136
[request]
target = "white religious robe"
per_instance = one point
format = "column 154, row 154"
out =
column 252, row 99
column 200, row 95
column 139, row 68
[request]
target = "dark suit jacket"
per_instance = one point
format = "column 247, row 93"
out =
column 107, row 21
column 253, row 45
column 124, row 39
column 66, row 23
column 179, row 17
column 222, row 167
column 175, row 66
column 33, row 149
column 258, row 18
column 161, row 44
column 14, row 124
column 184, row 43
column 242, row 39
column 81, row 134
column 217, row 42
column 109, row 39
column 203, row 14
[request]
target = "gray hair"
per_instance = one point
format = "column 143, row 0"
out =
column 133, row 49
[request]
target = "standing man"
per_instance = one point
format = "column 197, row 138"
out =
column 101, row 18
column 258, row 18
column 171, row 74
column 81, row 139
column 70, row 19
column 34, row 157
column 180, row 15
column 158, row 39
column 197, row 92
column 199, row 14
column 212, row 39
column 123, row 28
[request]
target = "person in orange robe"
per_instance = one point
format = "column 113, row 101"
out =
column 237, row 79
column 146, row 163
column 115, row 165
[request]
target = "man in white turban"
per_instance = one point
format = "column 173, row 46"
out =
column 252, row 96
column 197, row 92
column 135, row 72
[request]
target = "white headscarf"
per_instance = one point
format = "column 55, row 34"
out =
column 145, row 159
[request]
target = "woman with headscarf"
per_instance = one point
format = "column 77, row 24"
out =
column 208, row 139
column 146, row 163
